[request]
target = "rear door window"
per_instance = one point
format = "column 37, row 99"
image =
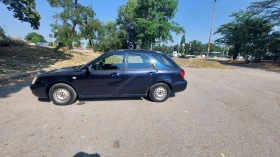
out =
column 137, row 61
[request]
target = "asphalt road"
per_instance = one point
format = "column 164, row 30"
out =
column 223, row 113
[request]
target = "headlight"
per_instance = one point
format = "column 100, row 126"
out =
column 34, row 80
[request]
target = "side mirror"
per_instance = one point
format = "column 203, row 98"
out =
column 87, row 71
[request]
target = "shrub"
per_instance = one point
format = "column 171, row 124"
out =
column 16, row 42
column 39, row 37
column 51, row 43
column 9, row 41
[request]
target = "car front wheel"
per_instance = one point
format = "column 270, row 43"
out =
column 159, row 92
column 62, row 94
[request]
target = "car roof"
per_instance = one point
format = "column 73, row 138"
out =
column 136, row 51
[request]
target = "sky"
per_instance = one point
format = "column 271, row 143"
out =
column 193, row 15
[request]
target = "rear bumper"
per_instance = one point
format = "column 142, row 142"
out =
column 38, row 91
column 179, row 86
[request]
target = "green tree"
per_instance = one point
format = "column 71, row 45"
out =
column 51, row 43
column 90, row 30
column 4, row 40
column 63, row 35
column 154, row 21
column 176, row 47
column 257, row 38
column 35, row 39
column 73, row 15
column 183, row 42
column 196, row 46
column 89, row 45
column 2, row 34
column 148, row 22
column 268, row 9
column 29, row 37
column 126, row 21
column 110, row 37
column 274, row 47
column 24, row 10
column 246, row 33
column 77, row 43
column 215, row 48
column 163, row 48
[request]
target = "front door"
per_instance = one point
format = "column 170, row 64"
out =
column 105, row 77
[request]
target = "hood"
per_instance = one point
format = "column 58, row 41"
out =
column 64, row 70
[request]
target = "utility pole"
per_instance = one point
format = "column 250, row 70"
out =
column 224, row 50
column 210, row 36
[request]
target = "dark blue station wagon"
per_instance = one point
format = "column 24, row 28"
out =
column 121, row 73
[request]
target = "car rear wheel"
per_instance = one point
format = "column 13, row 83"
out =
column 159, row 92
column 62, row 94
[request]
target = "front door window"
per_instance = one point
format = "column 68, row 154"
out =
column 112, row 62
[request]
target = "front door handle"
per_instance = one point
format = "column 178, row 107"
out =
column 152, row 73
column 115, row 74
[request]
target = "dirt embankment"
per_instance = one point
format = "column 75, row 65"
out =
column 17, row 61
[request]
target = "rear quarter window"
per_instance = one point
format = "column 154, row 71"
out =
column 167, row 61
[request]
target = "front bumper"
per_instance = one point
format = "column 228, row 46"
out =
column 38, row 91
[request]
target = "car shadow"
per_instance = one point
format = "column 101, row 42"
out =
column 7, row 90
column 83, row 154
column 82, row 101
column 110, row 99
column 44, row 100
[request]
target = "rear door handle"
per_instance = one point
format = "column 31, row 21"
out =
column 152, row 73
column 115, row 74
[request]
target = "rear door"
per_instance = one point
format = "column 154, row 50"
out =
column 139, row 74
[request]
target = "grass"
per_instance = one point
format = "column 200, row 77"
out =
column 199, row 63
column 76, row 59
column 275, row 66
column 270, row 66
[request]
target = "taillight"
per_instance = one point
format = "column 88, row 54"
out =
column 182, row 73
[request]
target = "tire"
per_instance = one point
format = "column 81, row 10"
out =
column 159, row 92
column 62, row 94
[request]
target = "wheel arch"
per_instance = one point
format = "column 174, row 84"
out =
column 165, row 82
column 56, row 82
